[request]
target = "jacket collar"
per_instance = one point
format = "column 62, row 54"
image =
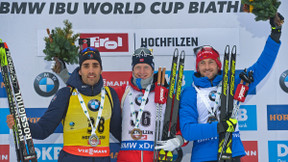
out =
column 204, row 82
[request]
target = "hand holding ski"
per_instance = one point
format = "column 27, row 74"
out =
column 24, row 146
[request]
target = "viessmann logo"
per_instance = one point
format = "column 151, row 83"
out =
column 251, row 150
column 107, row 42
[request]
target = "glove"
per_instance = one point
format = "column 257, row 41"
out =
column 227, row 126
column 160, row 94
column 276, row 25
column 57, row 65
column 170, row 144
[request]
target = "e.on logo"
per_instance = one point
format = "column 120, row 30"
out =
column 108, row 42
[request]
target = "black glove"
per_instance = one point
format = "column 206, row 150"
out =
column 227, row 126
column 276, row 25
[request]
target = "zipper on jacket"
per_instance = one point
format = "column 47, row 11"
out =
column 92, row 90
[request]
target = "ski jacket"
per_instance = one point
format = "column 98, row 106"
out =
column 59, row 106
column 193, row 114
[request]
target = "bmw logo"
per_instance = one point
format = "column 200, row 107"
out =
column 138, row 99
column 46, row 84
column 283, row 81
column 94, row 105
column 212, row 95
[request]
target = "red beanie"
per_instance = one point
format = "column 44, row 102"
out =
column 206, row 52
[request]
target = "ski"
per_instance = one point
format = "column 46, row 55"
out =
column 10, row 97
column 227, row 103
column 166, row 123
column 21, row 129
column 232, row 80
column 177, row 95
column 172, row 105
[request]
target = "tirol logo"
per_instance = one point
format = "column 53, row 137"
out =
column 251, row 150
column 46, row 84
column 94, row 105
column 277, row 117
column 4, row 153
column 247, row 117
column 283, row 81
column 108, row 42
column 278, row 151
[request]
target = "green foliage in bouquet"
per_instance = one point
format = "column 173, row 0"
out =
column 60, row 44
column 263, row 9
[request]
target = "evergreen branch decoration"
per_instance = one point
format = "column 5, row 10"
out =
column 60, row 44
column 263, row 9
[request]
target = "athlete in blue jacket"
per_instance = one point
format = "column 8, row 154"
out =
column 84, row 139
column 195, row 120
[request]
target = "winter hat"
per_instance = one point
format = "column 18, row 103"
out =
column 142, row 55
column 205, row 52
column 90, row 53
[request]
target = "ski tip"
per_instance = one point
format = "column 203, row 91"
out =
column 227, row 49
column 234, row 49
column 176, row 52
column 182, row 54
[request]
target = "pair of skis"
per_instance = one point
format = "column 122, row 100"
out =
column 172, row 106
column 230, row 102
column 227, row 103
column 24, row 146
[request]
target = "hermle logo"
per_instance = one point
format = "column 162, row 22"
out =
column 46, row 84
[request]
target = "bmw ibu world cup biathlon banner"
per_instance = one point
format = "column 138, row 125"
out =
column 117, row 28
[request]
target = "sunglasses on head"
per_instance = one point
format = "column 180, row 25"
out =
column 88, row 49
